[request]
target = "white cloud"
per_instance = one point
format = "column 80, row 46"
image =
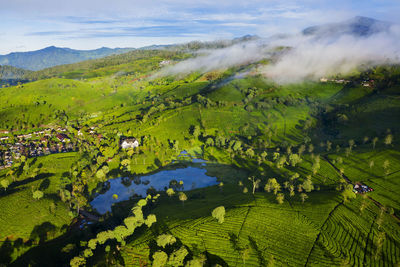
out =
column 226, row 17
column 308, row 57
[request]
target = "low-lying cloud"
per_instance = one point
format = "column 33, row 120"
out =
column 308, row 57
column 209, row 60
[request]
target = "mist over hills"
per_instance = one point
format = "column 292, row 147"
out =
column 225, row 53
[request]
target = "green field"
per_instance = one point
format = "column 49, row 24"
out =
column 244, row 127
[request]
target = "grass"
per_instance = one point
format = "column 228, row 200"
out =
column 23, row 218
column 386, row 187
column 322, row 231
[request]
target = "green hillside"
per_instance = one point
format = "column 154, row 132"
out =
column 301, row 147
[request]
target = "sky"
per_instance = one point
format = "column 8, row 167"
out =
column 27, row 25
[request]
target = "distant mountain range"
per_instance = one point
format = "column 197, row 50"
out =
column 357, row 26
column 53, row 56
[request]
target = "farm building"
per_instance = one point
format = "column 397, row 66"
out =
column 129, row 142
column 361, row 188
column 62, row 137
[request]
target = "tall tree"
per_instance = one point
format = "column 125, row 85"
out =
column 182, row 197
column 219, row 214
column 303, row 197
column 256, row 183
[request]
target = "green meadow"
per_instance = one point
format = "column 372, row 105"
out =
column 301, row 147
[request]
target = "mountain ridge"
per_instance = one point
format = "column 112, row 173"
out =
column 52, row 56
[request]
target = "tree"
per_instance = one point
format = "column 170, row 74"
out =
column 264, row 155
column 250, row 153
column 219, row 214
column 351, row 144
column 196, row 131
column 308, row 184
column 291, row 190
column 371, row 164
column 365, row 140
column 5, row 183
column 388, row 139
column 164, row 240
column 303, row 197
column 182, row 197
column 77, row 261
column 386, row 164
column 310, row 148
column 272, row 185
column 210, row 142
column 301, row 150
column 197, row 261
column 160, row 259
column 177, row 257
column 348, row 193
column 221, row 186
column 37, row 194
column 280, row 198
column 328, row 145
column 100, row 174
column 374, row 142
column 256, row 183
column 176, row 145
column 237, row 146
column 294, row 159
column 281, row 161
column 170, row 192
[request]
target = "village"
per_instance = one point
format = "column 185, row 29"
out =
column 39, row 143
column 364, row 83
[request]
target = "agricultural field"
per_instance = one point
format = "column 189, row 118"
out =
column 285, row 159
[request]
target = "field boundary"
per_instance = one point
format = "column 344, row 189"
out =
column 318, row 235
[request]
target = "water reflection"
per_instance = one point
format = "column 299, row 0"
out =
column 180, row 179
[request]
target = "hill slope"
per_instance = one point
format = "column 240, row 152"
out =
column 52, row 56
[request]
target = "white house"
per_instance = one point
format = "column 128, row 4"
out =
column 129, row 143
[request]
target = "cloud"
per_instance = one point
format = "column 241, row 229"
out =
column 209, row 60
column 312, row 59
column 306, row 57
column 30, row 22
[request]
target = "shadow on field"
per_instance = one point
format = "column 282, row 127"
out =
column 8, row 192
column 52, row 252
column 14, row 186
column 7, row 247
column 42, row 232
column 32, row 179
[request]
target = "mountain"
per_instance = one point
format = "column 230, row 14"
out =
column 53, row 56
column 12, row 73
column 357, row 26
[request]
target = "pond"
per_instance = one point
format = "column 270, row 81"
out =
column 193, row 176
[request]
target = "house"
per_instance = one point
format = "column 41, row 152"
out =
column 62, row 137
column 129, row 142
column 361, row 188
column 165, row 62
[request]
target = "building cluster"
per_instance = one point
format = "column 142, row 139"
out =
column 325, row 80
column 35, row 144
column 368, row 83
column 365, row 83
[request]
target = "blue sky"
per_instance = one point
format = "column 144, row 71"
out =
column 87, row 24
